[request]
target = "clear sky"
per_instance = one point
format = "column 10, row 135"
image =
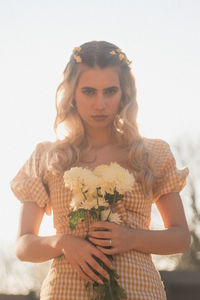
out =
column 160, row 37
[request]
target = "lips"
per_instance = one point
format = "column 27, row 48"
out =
column 99, row 117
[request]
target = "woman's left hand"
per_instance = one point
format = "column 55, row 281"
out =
column 108, row 234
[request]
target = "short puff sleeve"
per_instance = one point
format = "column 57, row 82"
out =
column 170, row 178
column 30, row 183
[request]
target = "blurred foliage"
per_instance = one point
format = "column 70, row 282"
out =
column 188, row 152
column 19, row 277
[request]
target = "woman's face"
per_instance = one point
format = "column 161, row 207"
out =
column 97, row 97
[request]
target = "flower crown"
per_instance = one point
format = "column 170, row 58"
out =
column 76, row 55
column 118, row 52
column 121, row 56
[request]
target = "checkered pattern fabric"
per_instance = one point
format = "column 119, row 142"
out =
column 137, row 272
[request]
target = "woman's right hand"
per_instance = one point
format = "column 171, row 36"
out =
column 81, row 255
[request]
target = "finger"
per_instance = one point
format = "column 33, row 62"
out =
column 83, row 275
column 98, row 268
column 86, row 269
column 100, row 234
column 110, row 251
column 102, row 257
column 101, row 224
column 100, row 242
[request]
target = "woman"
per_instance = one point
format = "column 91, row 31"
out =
column 96, row 104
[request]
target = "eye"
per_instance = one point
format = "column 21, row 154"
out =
column 111, row 90
column 88, row 91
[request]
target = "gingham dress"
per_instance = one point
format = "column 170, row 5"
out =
column 138, row 275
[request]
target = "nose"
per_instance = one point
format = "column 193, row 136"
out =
column 99, row 102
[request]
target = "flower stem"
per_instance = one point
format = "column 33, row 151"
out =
column 111, row 292
column 113, row 203
column 88, row 223
column 98, row 211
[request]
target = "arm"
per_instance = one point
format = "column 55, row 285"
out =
column 175, row 238
column 33, row 248
column 29, row 246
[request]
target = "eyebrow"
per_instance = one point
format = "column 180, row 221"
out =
column 87, row 87
column 110, row 87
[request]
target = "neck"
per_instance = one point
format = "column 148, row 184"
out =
column 101, row 138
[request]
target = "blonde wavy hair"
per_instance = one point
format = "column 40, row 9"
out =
column 67, row 152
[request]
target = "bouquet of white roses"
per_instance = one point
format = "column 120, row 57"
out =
column 95, row 193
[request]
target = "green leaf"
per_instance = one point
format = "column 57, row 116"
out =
column 93, row 213
column 111, row 197
column 75, row 216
